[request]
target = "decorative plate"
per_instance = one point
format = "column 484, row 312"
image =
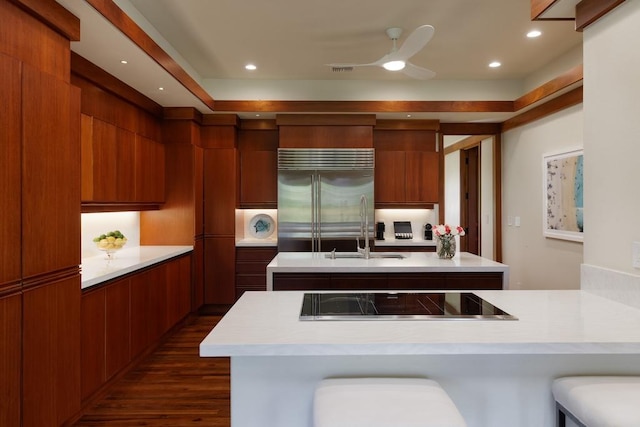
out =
column 261, row 226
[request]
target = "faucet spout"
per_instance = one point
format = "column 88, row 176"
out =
column 364, row 227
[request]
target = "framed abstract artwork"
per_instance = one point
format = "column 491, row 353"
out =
column 563, row 195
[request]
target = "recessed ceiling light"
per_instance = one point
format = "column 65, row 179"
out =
column 160, row 88
column 124, row 61
column 408, row 115
column 533, row 34
column 250, row 67
column 495, row 64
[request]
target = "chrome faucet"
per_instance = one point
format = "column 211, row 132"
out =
column 364, row 228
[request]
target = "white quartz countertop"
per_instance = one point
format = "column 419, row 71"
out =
column 98, row 269
column 549, row 322
column 300, row 262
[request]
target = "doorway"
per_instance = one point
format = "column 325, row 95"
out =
column 470, row 199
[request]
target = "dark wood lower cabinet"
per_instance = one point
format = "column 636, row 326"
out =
column 10, row 355
column 124, row 318
column 389, row 281
column 251, row 268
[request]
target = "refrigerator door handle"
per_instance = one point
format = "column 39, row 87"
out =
column 314, row 213
column 318, row 211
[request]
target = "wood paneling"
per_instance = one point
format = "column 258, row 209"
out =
column 10, row 356
column 589, row 11
column 325, row 119
column 560, row 103
column 105, row 156
column 96, row 75
column 364, row 106
column 25, row 38
column 51, row 173
column 126, row 166
column 10, row 222
column 54, row 15
column 51, row 353
column 390, row 175
column 175, row 223
column 128, row 27
column 326, row 137
column 148, row 307
column 567, row 79
column 178, row 290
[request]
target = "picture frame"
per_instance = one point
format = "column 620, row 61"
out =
column 563, row 190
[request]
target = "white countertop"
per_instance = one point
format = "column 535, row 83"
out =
column 549, row 322
column 248, row 242
column 98, row 269
column 419, row 262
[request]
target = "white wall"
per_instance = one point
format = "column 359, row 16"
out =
column 537, row 262
column 487, row 202
column 612, row 138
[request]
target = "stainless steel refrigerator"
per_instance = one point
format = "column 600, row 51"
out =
column 319, row 199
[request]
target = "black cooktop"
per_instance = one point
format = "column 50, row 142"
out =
column 399, row 306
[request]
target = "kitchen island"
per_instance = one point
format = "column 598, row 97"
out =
column 498, row 372
column 402, row 270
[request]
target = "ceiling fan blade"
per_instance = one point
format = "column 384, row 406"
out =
column 417, row 72
column 350, row 65
column 415, row 42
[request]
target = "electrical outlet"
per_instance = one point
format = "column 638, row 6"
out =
column 635, row 253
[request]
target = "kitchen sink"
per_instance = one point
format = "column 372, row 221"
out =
column 356, row 255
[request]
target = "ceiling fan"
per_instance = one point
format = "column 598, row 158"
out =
column 398, row 58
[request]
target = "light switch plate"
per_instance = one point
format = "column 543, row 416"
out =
column 635, row 253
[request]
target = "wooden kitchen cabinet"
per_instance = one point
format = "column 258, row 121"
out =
column 149, row 170
column 406, row 178
column 251, row 268
column 258, row 165
column 123, row 318
column 119, row 166
column 386, row 281
column 407, row 170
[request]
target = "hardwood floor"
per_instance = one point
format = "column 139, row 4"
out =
column 173, row 387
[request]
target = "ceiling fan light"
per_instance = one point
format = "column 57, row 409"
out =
column 394, row 65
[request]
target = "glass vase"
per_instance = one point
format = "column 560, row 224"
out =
column 446, row 246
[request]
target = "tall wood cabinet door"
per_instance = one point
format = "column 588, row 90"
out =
column 10, row 355
column 150, row 170
column 422, row 173
column 219, row 273
column 51, row 353
column 10, row 222
column 178, row 290
column 117, row 327
column 220, row 179
column 104, row 157
column 50, row 195
column 86, row 157
column 125, row 165
column 390, row 173
column 92, row 340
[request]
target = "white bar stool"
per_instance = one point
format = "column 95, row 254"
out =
column 383, row 402
column 598, row 401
